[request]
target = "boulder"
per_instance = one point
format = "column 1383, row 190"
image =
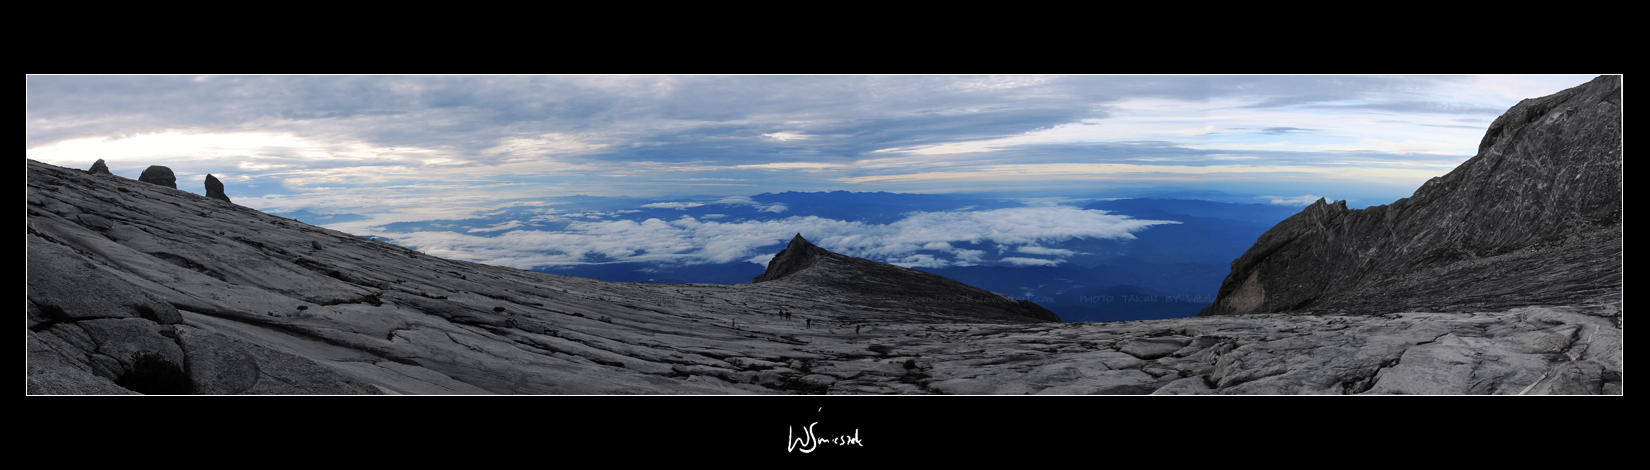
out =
column 160, row 175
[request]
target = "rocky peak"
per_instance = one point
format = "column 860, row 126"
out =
column 214, row 188
column 99, row 168
column 805, row 267
column 1533, row 218
column 160, row 175
column 799, row 254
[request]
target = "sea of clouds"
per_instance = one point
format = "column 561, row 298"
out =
column 919, row 239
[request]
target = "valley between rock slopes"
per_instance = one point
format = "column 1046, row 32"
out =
column 134, row 287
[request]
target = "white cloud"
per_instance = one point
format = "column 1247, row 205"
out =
column 747, row 201
column 792, row 166
column 248, row 151
column 774, row 208
column 693, row 241
column 962, row 257
column 1007, row 82
column 1019, row 261
column 1049, row 201
column 1045, row 251
column 503, row 226
column 523, row 148
column 1301, row 200
column 786, row 136
column 918, row 260
column 673, row 205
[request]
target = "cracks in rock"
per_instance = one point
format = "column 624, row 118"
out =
column 54, row 315
column 1575, row 339
column 1366, row 382
column 189, row 264
column 1430, row 341
column 323, row 269
column 391, row 335
column 260, row 246
column 468, row 345
column 368, row 299
column 507, row 298
column 1209, row 381
column 1537, row 381
column 295, row 330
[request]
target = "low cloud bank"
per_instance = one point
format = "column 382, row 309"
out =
column 922, row 239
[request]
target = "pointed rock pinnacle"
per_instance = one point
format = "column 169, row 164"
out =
column 214, row 188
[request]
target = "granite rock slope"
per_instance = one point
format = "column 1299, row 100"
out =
column 186, row 280
column 1533, row 219
column 137, row 289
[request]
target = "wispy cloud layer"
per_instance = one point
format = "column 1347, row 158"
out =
column 278, row 138
column 1301, row 200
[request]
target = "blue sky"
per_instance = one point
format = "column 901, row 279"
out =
column 392, row 149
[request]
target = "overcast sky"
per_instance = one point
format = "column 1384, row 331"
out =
column 448, row 146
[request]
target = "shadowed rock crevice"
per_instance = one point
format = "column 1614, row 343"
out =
column 152, row 374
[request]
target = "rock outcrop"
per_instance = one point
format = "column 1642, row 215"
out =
column 156, row 174
column 1533, row 219
column 802, row 263
column 99, row 168
column 93, row 332
column 797, row 255
column 214, row 188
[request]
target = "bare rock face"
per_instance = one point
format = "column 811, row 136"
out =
column 136, row 289
column 802, row 263
column 99, row 168
column 799, row 254
column 160, row 175
column 214, row 188
column 1533, row 219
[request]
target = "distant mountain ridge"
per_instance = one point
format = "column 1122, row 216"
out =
column 1533, row 219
